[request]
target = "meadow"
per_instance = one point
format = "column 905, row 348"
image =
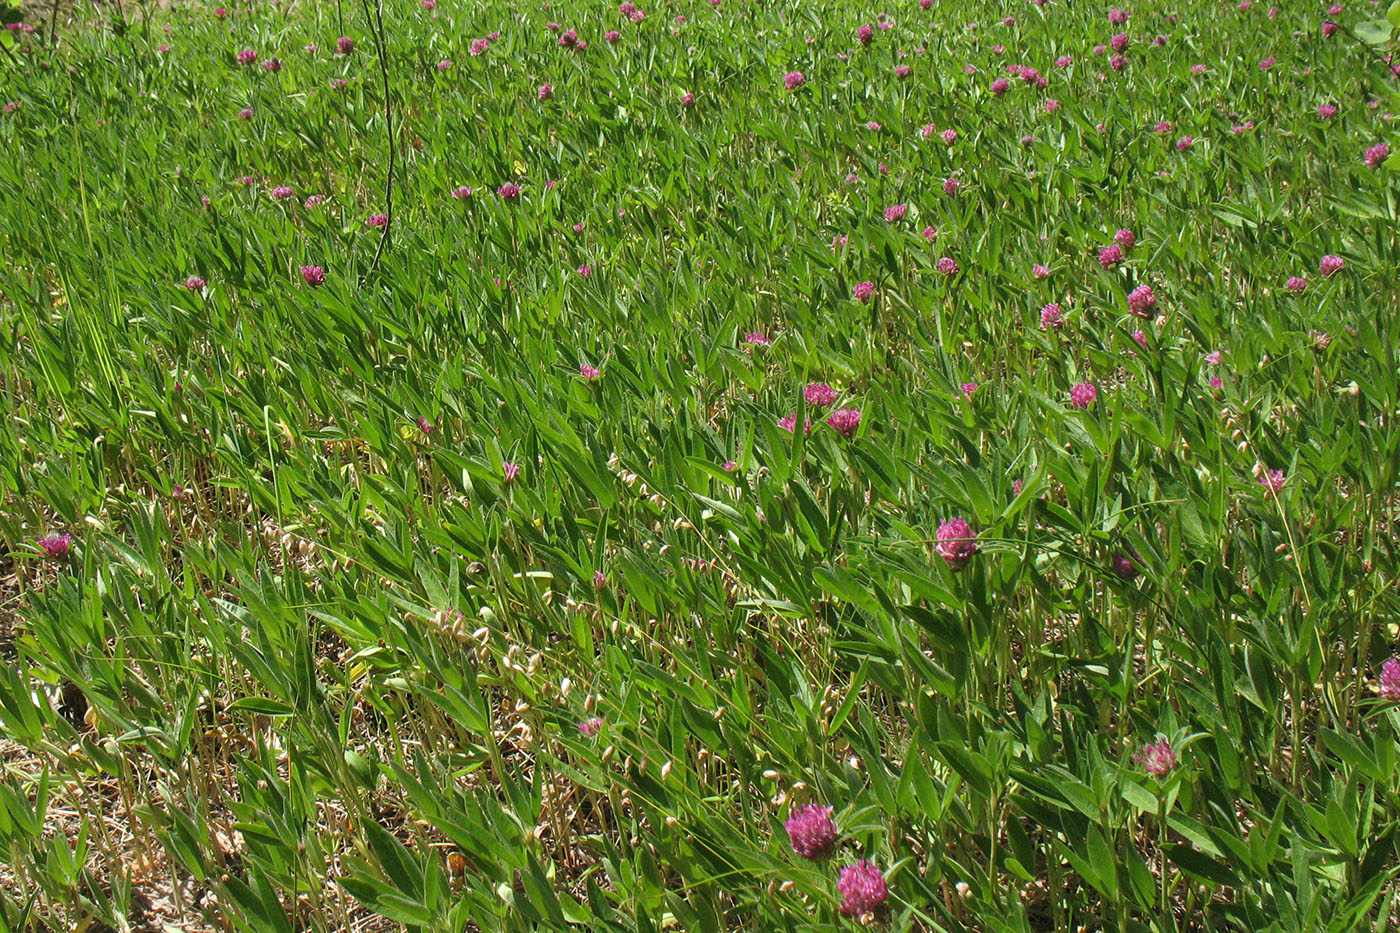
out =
column 700, row 466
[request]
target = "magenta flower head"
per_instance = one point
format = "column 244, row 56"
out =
column 510, row 191
column 951, row 186
column 1124, row 564
column 424, row 425
column 590, row 727
column 1082, row 394
column 1331, row 265
column 1329, row 29
column 789, row 423
column 844, row 421
column 896, row 212
column 272, row 64
column 545, row 92
column 1125, row 238
column 1266, row 64
column 1119, row 42
column 314, row 200
column 194, row 283
column 819, row 394
column 1118, row 17
column 967, row 388
column 757, row 338
column 1185, row 142
column 509, row 471
column 1040, row 271
column 863, row 291
column 377, row 220
column 1272, row 480
column 863, row 889
column 1110, row 256
column 1327, row 111
column 949, row 136
column 281, row 193
column 1052, row 317
column 55, row 546
column 1142, row 302
column 1296, row 284
column 929, row 234
column 957, row 542
column 345, row 45
column 1064, row 61
column 865, row 34
column 1376, row 155
column 247, row 57
column 314, row 275
column 948, row 265
column 1162, row 128
column 687, row 100
column 902, row 71
column 1390, row 679
column 811, row 831
column 588, row 372
column 794, row 80
column 461, row 193
column 1000, row 86
column 1156, row 757
column 246, row 113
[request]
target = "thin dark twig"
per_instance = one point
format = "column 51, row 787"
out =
column 53, row 26
column 376, row 26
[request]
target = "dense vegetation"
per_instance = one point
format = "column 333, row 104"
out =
column 468, row 471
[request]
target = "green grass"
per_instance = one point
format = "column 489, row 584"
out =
column 308, row 666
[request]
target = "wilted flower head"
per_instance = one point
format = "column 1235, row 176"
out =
column 957, row 542
column 811, row 831
column 863, row 291
column 1142, row 302
column 819, row 394
column 1082, row 394
column 1156, row 757
column 1390, row 679
column 844, row 421
column 314, row 275
column 1331, row 265
column 55, row 546
column 863, row 889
